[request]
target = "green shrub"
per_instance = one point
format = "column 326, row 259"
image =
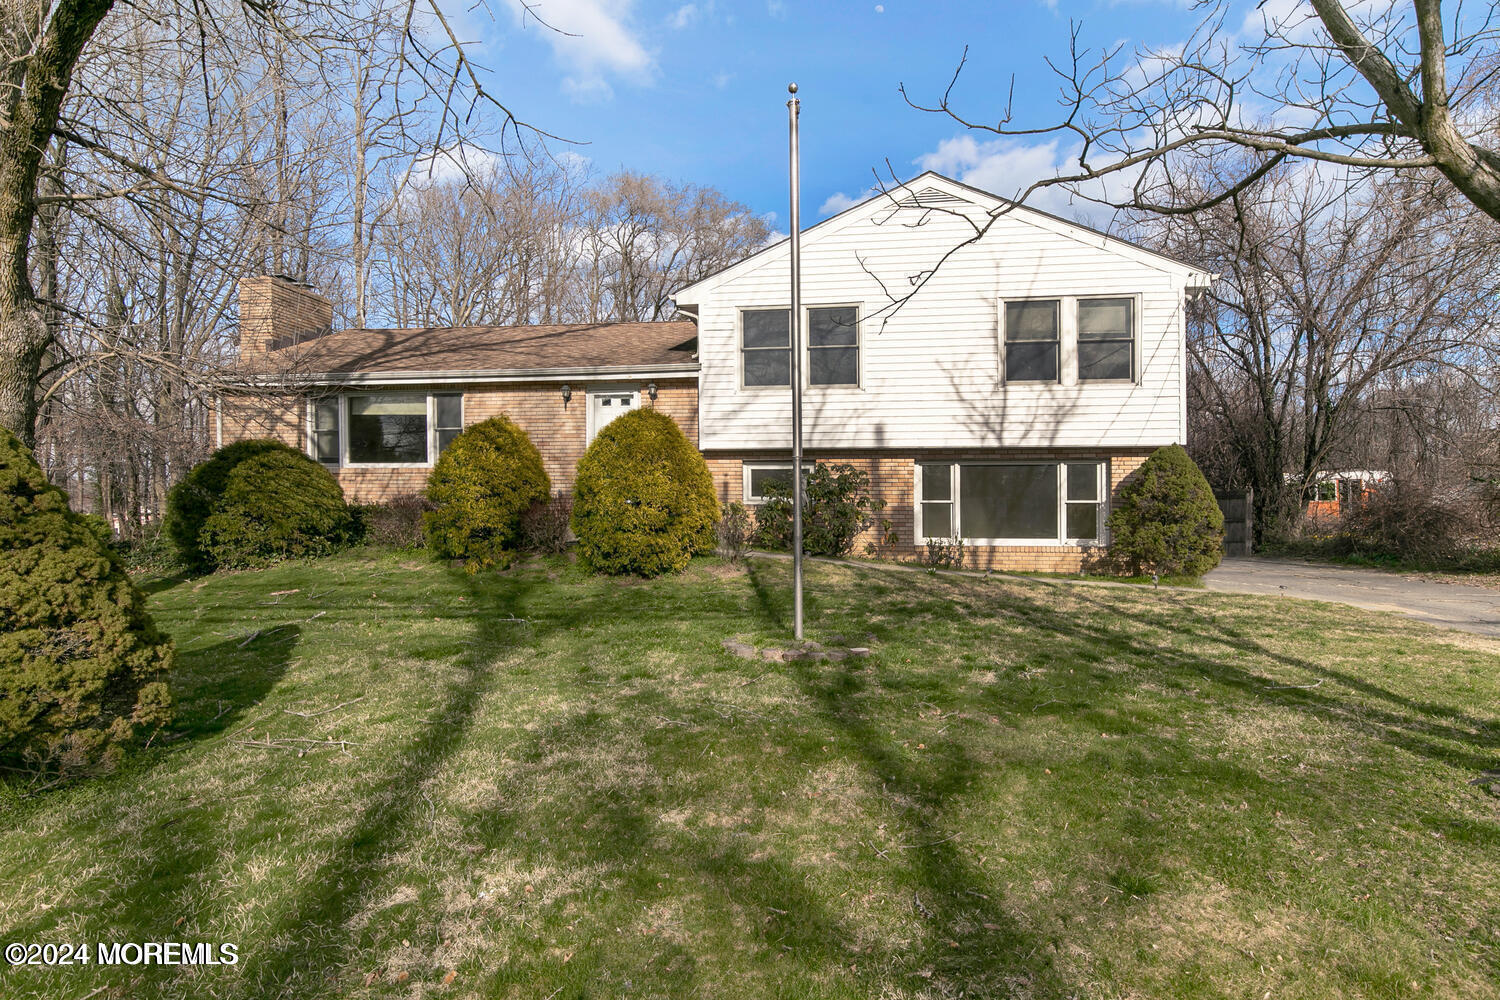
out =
column 1167, row 521
column 197, row 496
column 82, row 666
column 396, row 523
column 484, row 481
column 644, row 501
column 837, row 506
column 277, row 505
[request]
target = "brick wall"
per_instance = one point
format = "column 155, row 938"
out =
column 558, row 429
column 279, row 418
column 277, row 312
column 893, row 479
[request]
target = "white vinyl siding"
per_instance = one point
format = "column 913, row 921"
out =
column 932, row 373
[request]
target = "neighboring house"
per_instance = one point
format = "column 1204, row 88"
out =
column 1005, row 402
column 1335, row 493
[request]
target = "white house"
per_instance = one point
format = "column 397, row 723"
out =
column 998, row 389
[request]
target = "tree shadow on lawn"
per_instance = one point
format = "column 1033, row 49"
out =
column 1424, row 728
column 310, row 945
column 155, row 870
column 799, row 943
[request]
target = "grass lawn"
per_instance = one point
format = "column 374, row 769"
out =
column 557, row 787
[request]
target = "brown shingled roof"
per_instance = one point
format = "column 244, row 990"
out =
column 493, row 349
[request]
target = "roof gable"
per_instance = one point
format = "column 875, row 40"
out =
column 940, row 193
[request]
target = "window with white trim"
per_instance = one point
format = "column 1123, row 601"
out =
column 833, row 345
column 383, row 428
column 1106, row 339
column 765, row 347
column 759, row 474
column 1011, row 502
column 326, row 441
column 447, row 418
column 1033, row 335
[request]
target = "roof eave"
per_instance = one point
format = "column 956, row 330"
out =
column 435, row 376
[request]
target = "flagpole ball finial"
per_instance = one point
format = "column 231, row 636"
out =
column 791, row 88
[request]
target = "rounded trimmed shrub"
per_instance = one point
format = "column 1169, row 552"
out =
column 1167, row 521
column 277, row 505
column 197, row 496
column 82, row 667
column 486, row 478
column 644, row 501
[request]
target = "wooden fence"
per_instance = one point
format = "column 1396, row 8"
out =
column 1238, row 510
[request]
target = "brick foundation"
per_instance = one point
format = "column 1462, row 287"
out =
column 893, row 479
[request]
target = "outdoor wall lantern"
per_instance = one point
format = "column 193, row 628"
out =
column 567, row 393
column 651, row 391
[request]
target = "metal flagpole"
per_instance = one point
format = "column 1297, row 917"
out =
column 793, row 107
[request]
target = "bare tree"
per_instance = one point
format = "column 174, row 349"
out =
column 1328, row 293
column 43, row 44
column 1378, row 87
column 647, row 237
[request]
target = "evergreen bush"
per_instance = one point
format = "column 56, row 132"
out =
column 82, row 667
column 483, row 482
column 837, row 507
column 276, row 505
column 197, row 496
column 644, row 500
column 1167, row 521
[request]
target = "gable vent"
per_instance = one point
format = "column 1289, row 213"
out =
column 931, row 198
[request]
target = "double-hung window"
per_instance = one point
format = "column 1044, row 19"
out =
column 1011, row 502
column 384, row 428
column 833, row 346
column 760, row 475
column 1032, row 337
column 1106, row 339
column 766, row 347
column 325, row 431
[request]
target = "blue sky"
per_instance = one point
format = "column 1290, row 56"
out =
column 696, row 91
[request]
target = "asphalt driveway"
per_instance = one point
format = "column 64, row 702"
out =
column 1451, row 605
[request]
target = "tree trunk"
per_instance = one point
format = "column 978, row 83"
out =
column 33, row 112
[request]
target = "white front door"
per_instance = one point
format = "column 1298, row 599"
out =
column 605, row 406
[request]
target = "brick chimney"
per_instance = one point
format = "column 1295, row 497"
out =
column 277, row 311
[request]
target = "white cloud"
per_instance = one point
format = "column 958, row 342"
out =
column 1007, row 168
column 683, row 16
column 838, row 201
column 776, row 8
column 593, row 42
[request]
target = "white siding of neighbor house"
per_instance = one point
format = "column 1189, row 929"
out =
column 931, row 376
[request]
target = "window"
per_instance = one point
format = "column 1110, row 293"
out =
column 325, row 431
column 765, row 347
column 937, row 501
column 1081, row 509
column 383, row 428
column 760, row 474
column 1106, row 339
column 833, row 346
column 388, row 428
column 448, row 418
column 1007, row 501
column 1035, row 502
column 1031, row 340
